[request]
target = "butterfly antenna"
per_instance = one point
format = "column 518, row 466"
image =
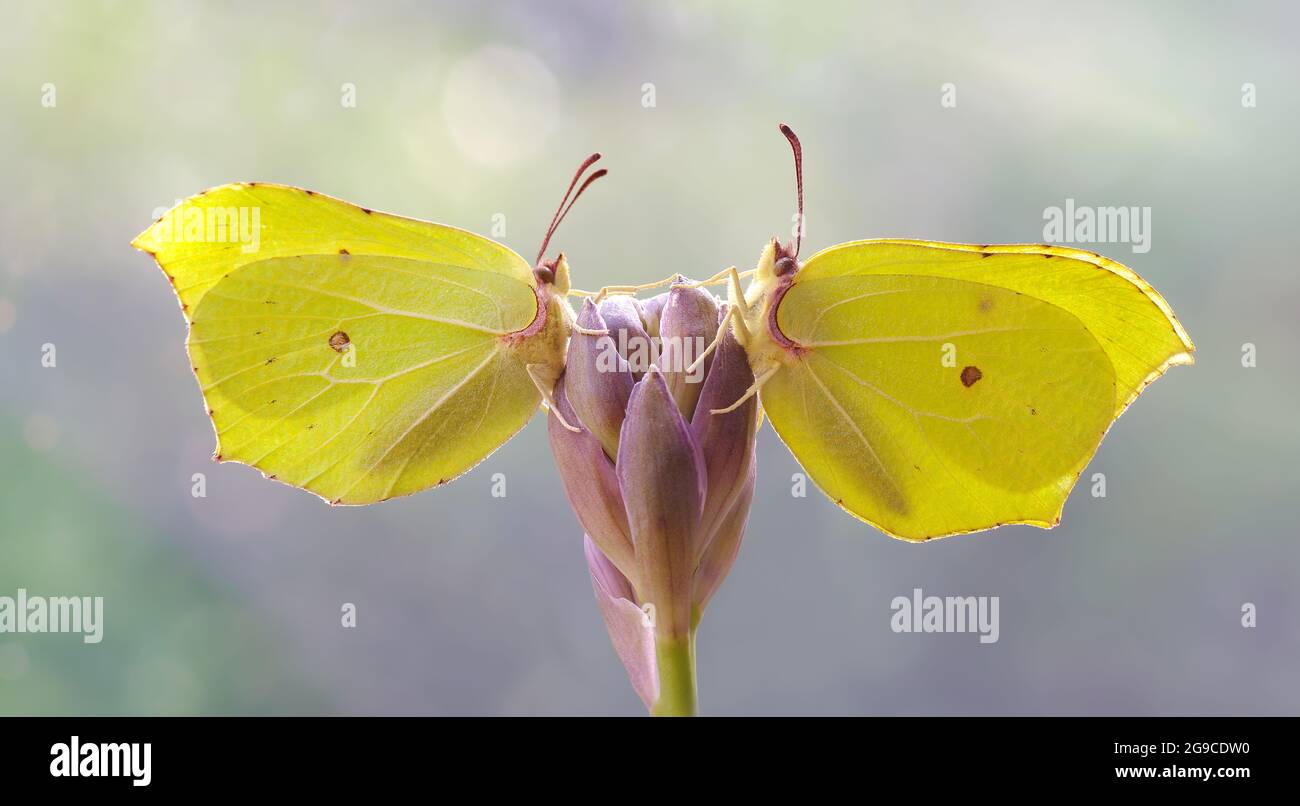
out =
column 563, row 210
column 798, row 181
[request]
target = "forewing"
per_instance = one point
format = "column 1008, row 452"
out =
column 207, row 236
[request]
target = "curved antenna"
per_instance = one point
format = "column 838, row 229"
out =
column 798, row 180
column 562, row 210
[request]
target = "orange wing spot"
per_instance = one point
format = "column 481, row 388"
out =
column 970, row 375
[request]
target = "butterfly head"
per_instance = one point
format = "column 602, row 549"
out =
column 785, row 258
column 777, row 264
column 554, row 273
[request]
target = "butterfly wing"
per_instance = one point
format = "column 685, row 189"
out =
column 210, row 235
column 942, row 389
column 355, row 354
column 362, row 377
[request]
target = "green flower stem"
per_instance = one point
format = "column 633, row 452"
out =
column 676, row 658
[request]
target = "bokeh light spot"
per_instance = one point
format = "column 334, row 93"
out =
column 500, row 105
column 41, row 433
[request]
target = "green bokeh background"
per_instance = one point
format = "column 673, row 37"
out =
column 470, row 604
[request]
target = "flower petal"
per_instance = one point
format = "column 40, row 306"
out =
column 687, row 326
column 652, row 311
column 591, row 485
column 726, row 440
column 723, row 545
column 599, row 380
column 630, row 628
column 622, row 315
column 662, row 477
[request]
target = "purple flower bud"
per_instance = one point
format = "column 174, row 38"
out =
column 601, row 381
column 652, row 312
column 630, row 627
column 622, row 315
column 662, row 476
column 665, row 512
column 687, row 326
column 721, row 550
column 727, row 444
column 591, row 485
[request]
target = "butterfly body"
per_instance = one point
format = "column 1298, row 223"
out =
column 766, row 345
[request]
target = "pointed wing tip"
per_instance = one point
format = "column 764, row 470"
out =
column 145, row 242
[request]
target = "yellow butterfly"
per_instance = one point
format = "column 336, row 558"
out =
column 356, row 354
column 932, row 389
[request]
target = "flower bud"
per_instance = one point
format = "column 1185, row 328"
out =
column 662, row 476
column 652, row 311
column 598, row 389
column 687, row 326
column 591, row 485
column 665, row 511
column 622, row 315
column 630, row 627
column 727, row 445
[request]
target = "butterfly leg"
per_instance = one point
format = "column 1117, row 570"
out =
column 540, row 375
column 720, row 277
column 605, row 291
column 750, row 392
column 676, row 279
column 735, row 292
column 733, row 315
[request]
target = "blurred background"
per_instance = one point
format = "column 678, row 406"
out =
column 470, row 604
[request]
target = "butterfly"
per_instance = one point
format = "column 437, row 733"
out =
column 933, row 389
column 356, row 354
